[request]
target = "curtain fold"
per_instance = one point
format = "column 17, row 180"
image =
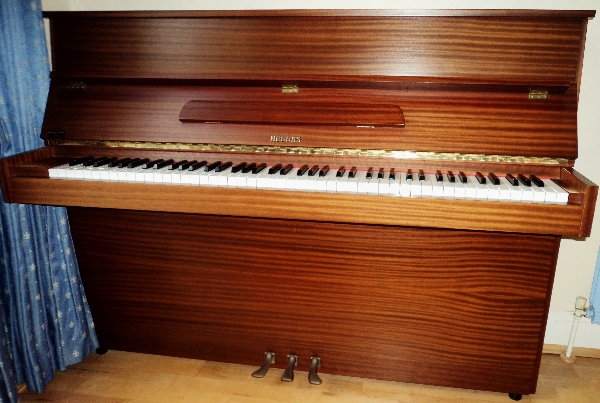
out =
column 47, row 324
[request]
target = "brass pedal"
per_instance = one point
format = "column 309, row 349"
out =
column 313, row 377
column 288, row 374
column 262, row 371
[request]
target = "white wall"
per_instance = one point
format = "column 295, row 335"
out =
column 577, row 259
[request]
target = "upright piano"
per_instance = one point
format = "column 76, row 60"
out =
column 377, row 194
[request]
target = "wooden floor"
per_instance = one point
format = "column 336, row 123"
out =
column 119, row 377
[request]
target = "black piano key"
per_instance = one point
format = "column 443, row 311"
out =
column 421, row 175
column 197, row 165
column 392, row 174
column 249, row 168
column 224, row 166
column 302, row 170
column 163, row 164
column 257, row 169
column 313, row 170
column 78, row 161
column 462, row 177
column 370, row 173
column 176, row 165
column 524, row 180
column 493, row 178
column 513, row 181
column 480, row 178
column 352, row 172
column 150, row 164
column 438, row 176
column 451, row 177
column 409, row 175
column 185, row 165
column 340, row 172
column 212, row 166
column 537, row 181
column 105, row 162
column 286, row 169
column 137, row 162
column 119, row 163
column 91, row 162
column 381, row 173
column 324, row 170
column 238, row 167
column 274, row 169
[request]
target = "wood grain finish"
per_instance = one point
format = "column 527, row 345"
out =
column 379, row 48
column 371, row 301
column 292, row 113
column 489, row 123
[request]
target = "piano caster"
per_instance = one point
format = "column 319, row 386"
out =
column 515, row 396
column 101, row 350
column 262, row 371
column 288, row 374
column 313, row 377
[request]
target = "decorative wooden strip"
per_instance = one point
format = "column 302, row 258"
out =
column 292, row 113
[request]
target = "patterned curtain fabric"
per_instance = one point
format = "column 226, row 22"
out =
column 45, row 318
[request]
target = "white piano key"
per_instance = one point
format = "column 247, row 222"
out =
column 352, row 183
column 470, row 188
column 550, row 193
column 450, row 188
column 493, row 191
column 538, row 194
column 482, row 190
column 394, row 186
column 504, row 191
column 363, row 182
column 197, row 177
column 322, row 180
column 562, row 196
column 427, row 186
column 341, row 184
column 516, row 194
column 460, row 190
column 310, row 184
column 527, row 193
column 373, row 186
column 87, row 173
column 261, row 178
column 437, row 188
column 384, row 184
column 405, row 185
column 222, row 177
column 415, row 187
column 148, row 175
column 78, row 172
column 332, row 182
column 59, row 172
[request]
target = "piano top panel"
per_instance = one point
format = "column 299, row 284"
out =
column 462, row 47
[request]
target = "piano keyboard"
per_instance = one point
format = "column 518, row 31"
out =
column 374, row 181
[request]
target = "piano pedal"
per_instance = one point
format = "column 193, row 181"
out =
column 262, row 371
column 313, row 377
column 288, row 374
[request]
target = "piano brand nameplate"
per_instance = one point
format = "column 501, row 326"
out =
column 293, row 113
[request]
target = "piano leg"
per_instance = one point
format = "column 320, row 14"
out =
column 515, row 396
column 101, row 350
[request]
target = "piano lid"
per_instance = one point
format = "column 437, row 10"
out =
column 488, row 82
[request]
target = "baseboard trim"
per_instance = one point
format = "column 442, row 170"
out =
column 577, row 351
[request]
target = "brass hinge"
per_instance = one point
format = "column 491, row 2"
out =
column 78, row 85
column 538, row 94
column 289, row 89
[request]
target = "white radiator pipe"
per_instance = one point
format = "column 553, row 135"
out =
column 580, row 312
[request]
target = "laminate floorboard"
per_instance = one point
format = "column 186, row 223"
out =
column 121, row 377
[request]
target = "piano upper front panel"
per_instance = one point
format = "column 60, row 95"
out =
column 490, row 49
column 491, row 123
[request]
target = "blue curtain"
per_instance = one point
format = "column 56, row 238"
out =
column 45, row 318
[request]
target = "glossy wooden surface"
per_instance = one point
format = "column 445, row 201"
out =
column 524, row 49
column 292, row 113
column 360, row 297
column 492, row 123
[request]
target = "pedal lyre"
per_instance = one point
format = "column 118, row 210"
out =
column 313, row 377
column 288, row 374
column 262, row 371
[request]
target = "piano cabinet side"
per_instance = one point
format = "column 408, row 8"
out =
column 29, row 158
